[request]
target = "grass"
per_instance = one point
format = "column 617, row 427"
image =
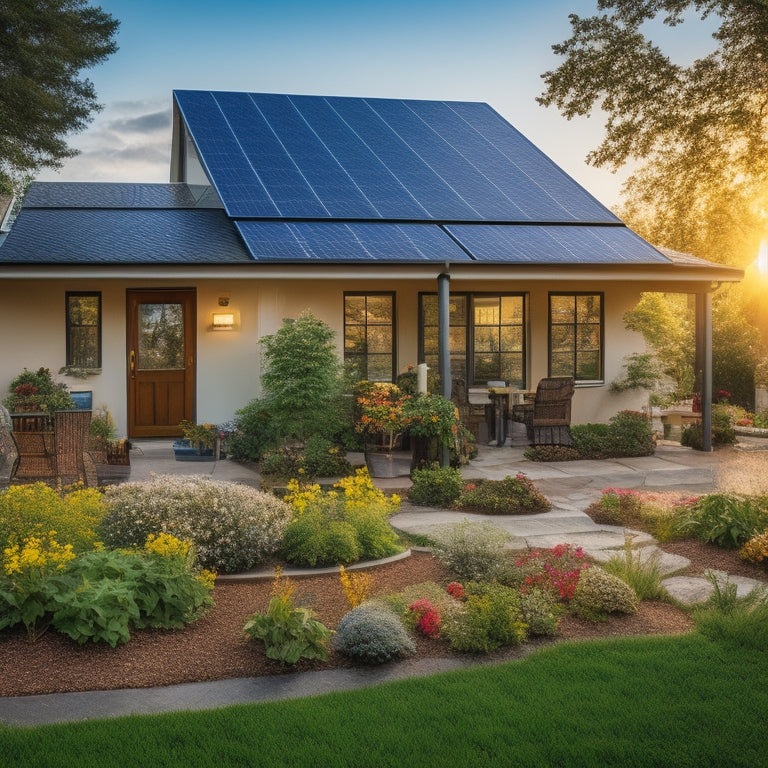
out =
column 682, row 701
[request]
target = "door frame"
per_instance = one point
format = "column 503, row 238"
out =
column 187, row 297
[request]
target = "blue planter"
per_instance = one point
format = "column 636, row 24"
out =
column 184, row 451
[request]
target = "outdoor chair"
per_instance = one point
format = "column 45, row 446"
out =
column 547, row 417
column 71, row 430
column 34, row 436
column 9, row 452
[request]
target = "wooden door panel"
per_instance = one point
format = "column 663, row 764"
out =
column 161, row 355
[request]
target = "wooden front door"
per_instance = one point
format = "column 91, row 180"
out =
column 161, row 361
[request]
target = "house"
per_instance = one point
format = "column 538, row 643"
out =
column 407, row 226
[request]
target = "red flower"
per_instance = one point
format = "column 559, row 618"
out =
column 429, row 624
column 455, row 589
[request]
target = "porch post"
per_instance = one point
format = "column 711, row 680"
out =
column 443, row 346
column 704, row 343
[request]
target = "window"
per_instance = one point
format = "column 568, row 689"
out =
column 369, row 335
column 486, row 337
column 576, row 335
column 83, row 330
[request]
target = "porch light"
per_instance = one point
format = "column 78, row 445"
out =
column 223, row 321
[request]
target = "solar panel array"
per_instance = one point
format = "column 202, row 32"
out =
column 283, row 157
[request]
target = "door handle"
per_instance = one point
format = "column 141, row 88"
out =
column 132, row 363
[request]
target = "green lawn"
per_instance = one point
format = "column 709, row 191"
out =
column 663, row 701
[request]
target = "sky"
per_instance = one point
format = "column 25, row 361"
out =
column 486, row 50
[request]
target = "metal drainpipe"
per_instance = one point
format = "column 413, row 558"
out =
column 443, row 346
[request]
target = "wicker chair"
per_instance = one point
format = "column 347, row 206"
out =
column 547, row 417
column 71, row 430
column 35, row 439
column 9, row 452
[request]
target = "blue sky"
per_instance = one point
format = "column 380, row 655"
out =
column 486, row 50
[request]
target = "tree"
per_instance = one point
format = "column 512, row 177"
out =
column 698, row 131
column 302, row 381
column 44, row 44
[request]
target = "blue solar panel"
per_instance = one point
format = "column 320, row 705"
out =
column 561, row 244
column 339, row 242
column 345, row 158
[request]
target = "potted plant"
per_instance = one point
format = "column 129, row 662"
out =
column 110, row 455
column 382, row 416
column 433, row 424
column 198, row 442
column 37, row 391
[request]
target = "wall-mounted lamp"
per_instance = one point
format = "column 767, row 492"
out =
column 223, row 321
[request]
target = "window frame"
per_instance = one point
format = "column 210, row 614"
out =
column 575, row 325
column 366, row 295
column 469, row 330
column 69, row 326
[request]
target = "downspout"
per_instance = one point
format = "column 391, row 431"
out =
column 443, row 346
column 706, row 383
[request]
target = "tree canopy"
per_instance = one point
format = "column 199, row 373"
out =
column 44, row 45
column 697, row 131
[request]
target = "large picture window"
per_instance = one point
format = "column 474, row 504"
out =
column 486, row 337
column 83, row 313
column 369, row 335
column 576, row 335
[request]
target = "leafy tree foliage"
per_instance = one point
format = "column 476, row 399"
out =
column 44, row 44
column 302, row 381
column 697, row 130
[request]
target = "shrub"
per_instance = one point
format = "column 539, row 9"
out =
column 630, row 433
column 556, row 570
column 724, row 519
column 400, row 602
column 756, row 550
column 490, row 618
column 289, row 632
column 551, row 453
column 590, row 441
column 471, row 551
column 598, row 593
column 315, row 538
column 510, row 496
column 232, row 527
column 342, row 525
column 723, row 432
column 436, row 486
column 541, row 611
column 254, row 432
column 319, row 457
column 372, row 633
column 101, row 595
column 74, row 514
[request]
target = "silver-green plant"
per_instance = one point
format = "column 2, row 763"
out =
column 471, row 551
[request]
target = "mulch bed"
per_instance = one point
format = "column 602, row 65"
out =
column 215, row 648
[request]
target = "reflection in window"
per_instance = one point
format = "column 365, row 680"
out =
column 576, row 336
column 489, row 348
column 369, row 335
column 161, row 337
column 83, row 330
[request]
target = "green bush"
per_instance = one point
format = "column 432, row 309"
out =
column 590, row 441
column 510, row 496
column 373, row 634
column 724, row 519
column 723, row 432
column 233, row 527
column 551, row 453
column 598, row 593
column 318, row 458
column 289, row 632
column 101, row 595
column 254, row 432
column 39, row 390
column 541, row 611
column 315, row 539
column 399, row 602
column 471, row 551
column 490, row 618
column 631, row 434
column 27, row 510
column 436, row 486
column 330, row 527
